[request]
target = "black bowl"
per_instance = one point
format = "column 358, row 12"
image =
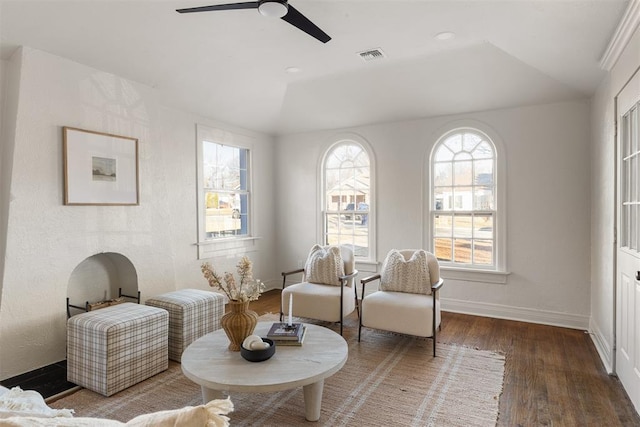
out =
column 259, row 355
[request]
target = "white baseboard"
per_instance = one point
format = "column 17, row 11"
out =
column 522, row 314
column 602, row 346
column 270, row 285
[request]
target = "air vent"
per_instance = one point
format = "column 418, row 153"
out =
column 372, row 54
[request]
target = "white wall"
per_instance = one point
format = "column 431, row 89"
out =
column 47, row 240
column 4, row 187
column 548, row 201
column 8, row 102
column 603, row 187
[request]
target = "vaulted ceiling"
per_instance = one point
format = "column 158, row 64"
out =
column 231, row 65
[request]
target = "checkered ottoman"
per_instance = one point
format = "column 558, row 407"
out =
column 116, row 347
column 192, row 314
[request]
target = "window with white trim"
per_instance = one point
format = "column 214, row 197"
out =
column 464, row 200
column 224, row 187
column 347, row 198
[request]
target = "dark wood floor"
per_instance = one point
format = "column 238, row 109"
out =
column 553, row 376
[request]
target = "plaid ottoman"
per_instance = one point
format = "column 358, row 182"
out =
column 116, row 347
column 192, row 314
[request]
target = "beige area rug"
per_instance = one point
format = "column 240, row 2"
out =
column 388, row 380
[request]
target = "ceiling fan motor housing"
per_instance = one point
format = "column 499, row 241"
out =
column 273, row 8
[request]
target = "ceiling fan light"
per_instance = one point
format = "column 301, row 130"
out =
column 273, row 8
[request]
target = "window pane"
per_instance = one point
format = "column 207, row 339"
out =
column 443, row 226
column 242, row 212
column 623, row 222
column 454, row 143
column 443, row 154
column 332, row 223
column 462, row 226
column 483, row 198
column 332, row 183
column 462, row 198
column 361, row 160
column 442, row 174
column 222, row 215
column 483, row 227
column 483, row 252
column 470, row 141
column 483, row 172
column 633, row 223
column 624, row 186
column 443, row 249
column 462, row 173
column 332, row 239
column 361, row 244
column 462, row 251
column 626, row 142
column 443, row 198
column 483, row 151
column 633, row 183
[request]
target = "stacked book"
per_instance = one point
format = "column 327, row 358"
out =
column 283, row 333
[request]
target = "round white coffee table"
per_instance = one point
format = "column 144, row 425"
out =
column 209, row 363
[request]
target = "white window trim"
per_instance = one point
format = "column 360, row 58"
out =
column 208, row 248
column 499, row 273
column 333, row 141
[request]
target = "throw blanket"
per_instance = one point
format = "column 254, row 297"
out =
column 20, row 408
column 17, row 402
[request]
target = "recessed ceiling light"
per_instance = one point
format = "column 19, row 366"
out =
column 292, row 70
column 445, row 35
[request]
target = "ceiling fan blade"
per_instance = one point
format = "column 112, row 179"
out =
column 298, row 20
column 230, row 6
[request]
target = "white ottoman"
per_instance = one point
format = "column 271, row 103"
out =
column 116, row 347
column 192, row 314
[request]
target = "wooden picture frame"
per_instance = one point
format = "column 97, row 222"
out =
column 99, row 168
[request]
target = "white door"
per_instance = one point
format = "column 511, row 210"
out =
column 628, row 268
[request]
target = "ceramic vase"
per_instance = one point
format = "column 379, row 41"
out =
column 238, row 323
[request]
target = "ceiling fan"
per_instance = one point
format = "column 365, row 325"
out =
column 273, row 8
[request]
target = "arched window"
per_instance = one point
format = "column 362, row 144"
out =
column 347, row 197
column 464, row 201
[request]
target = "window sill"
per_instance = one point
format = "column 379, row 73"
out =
column 227, row 247
column 367, row 266
column 472, row 275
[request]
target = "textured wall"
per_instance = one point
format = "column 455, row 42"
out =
column 47, row 240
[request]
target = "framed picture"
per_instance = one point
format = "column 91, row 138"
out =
column 99, row 168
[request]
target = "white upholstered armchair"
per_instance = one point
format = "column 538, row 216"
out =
column 327, row 291
column 406, row 300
